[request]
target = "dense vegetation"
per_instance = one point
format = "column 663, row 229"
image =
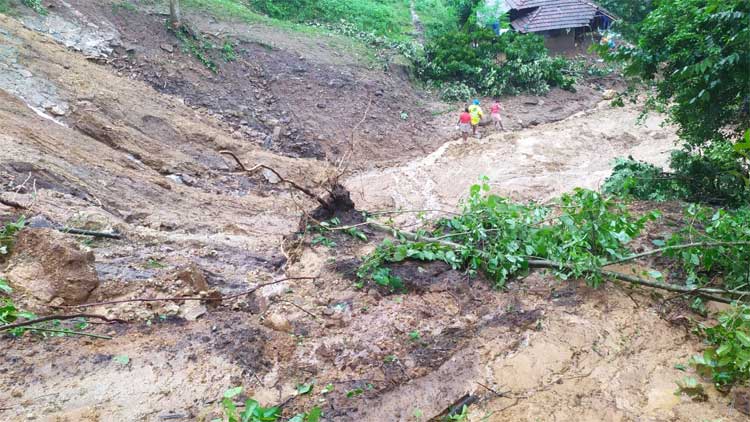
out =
column 387, row 17
column 696, row 55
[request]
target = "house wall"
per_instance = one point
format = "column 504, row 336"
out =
column 568, row 43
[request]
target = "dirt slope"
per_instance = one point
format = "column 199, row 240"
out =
column 96, row 144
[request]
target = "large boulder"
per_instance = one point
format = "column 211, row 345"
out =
column 48, row 265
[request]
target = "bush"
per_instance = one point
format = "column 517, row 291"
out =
column 381, row 17
column 474, row 60
column 457, row 91
column 640, row 180
column 714, row 176
column 727, row 359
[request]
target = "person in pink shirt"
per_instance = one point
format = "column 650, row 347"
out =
column 464, row 123
column 495, row 114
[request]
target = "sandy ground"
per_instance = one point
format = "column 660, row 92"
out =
column 86, row 146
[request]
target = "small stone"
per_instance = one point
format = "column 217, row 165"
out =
column 168, row 48
column 270, row 176
column 320, row 105
column 609, row 94
column 278, row 322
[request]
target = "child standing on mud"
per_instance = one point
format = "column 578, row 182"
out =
column 464, row 123
column 495, row 114
column 476, row 116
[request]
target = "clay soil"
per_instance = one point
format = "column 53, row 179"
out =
column 127, row 137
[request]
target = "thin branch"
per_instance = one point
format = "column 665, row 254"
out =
column 346, row 156
column 76, row 333
column 107, row 235
column 677, row 247
column 302, row 189
column 186, row 298
column 710, row 294
column 56, row 318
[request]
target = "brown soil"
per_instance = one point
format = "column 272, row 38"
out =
column 132, row 142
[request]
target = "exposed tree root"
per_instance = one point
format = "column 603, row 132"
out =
column 338, row 196
column 54, row 318
column 211, row 299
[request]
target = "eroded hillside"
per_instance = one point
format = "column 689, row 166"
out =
column 108, row 126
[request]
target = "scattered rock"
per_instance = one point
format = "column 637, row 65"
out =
column 270, row 176
column 609, row 94
column 192, row 310
column 48, row 264
column 278, row 322
column 193, row 276
column 175, row 178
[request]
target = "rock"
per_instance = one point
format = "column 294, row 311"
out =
column 192, row 310
column 270, row 176
column 56, row 110
column 168, row 48
column 320, row 105
column 48, row 264
column 609, row 94
column 278, row 322
column 175, row 178
column 193, row 276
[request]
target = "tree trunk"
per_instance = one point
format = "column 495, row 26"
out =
column 175, row 16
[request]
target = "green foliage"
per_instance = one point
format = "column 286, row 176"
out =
column 461, row 416
column 716, row 175
column 124, row 5
column 8, row 234
column 727, row 359
column 228, row 52
column 311, row 416
column 496, row 237
column 35, row 5
column 641, row 180
column 695, row 54
column 383, row 277
column 473, row 60
column 253, row 411
column 729, row 262
column 387, row 17
column 194, row 44
column 630, row 12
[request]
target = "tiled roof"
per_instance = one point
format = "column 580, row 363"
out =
column 544, row 15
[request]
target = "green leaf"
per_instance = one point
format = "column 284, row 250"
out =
column 304, row 388
column 121, row 359
column 232, row 392
column 314, row 414
column 743, row 338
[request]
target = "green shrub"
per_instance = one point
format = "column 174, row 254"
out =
column 728, row 262
column 8, row 234
column 457, row 91
column 714, row 175
column 497, row 237
column 727, row 359
column 641, row 180
column 383, row 17
column 473, row 59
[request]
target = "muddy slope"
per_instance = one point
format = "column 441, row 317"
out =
column 88, row 146
column 289, row 92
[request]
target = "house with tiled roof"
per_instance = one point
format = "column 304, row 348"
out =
column 567, row 25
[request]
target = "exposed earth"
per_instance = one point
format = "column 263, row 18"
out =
column 108, row 125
